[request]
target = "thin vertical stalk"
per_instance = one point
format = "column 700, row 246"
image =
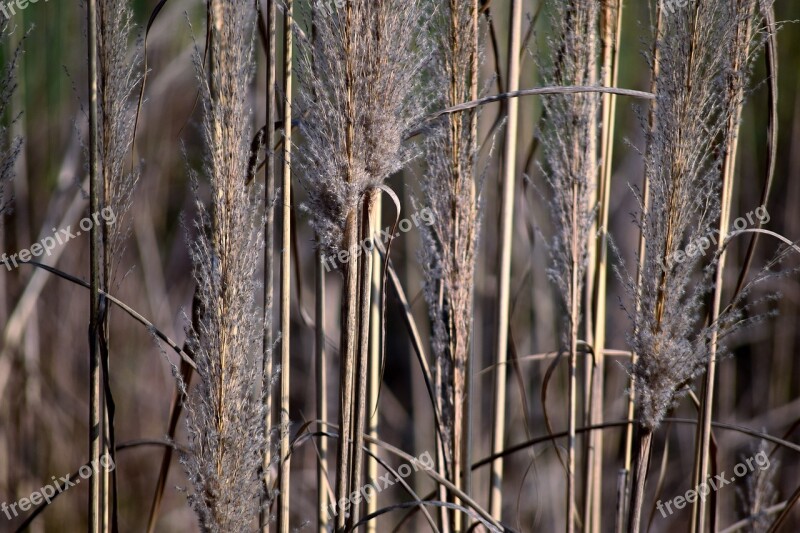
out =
column 348, row 346
column 322, row 394
column 573, row 363
column 622, row 497
column 321, row 377
column 347, row 369
column 729, row 167
column 630, row 429
column 360, row 405
column 269, row 265
column 441, row 457
column 631, row 407
column 286, row 246
column 374, row 378
column 95, row 190
column 612, row 24
column 468, row 388
column 105, row 261
column 504, row 266
column 586, row 308
column 639, row 479
column 463, row 470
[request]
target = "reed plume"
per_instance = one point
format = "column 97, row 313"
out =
column 451, row 191
column 224, row 409
column 117, row 80
column 571, row 169
column 360, row 96
column 686, row 146
column 683, row 166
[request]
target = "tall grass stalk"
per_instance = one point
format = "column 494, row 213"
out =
column 286, row 287
column 95, row 254
column 504, row 263
column 365, row 310
column 611, row 29
column 322, row 394
column 624, row 497
column 743, row 14
column 117, row 79
column 224, row 408
column 375, row 352
column 267, row 347
column 347, row 345
column 452, row 193
column 321, row 365
column 627, row 467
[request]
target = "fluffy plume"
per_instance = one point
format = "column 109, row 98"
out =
column 359, row 98
column 451, row 190
column 116, row 116
column 570, row 151
column 696, row 95
column 224, row 408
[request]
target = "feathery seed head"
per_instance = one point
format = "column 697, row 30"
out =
column 451, row 190
column 703, row 60
column 570, row 162
column 359, row 97
column 225, row 412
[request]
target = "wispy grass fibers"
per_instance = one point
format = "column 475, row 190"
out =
column 224, row 408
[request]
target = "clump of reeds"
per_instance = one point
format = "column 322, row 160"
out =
column 571, row 169
column 224, row 408
column 451, row 190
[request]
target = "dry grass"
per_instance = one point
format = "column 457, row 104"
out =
column 225, row 413
column 377, row 100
